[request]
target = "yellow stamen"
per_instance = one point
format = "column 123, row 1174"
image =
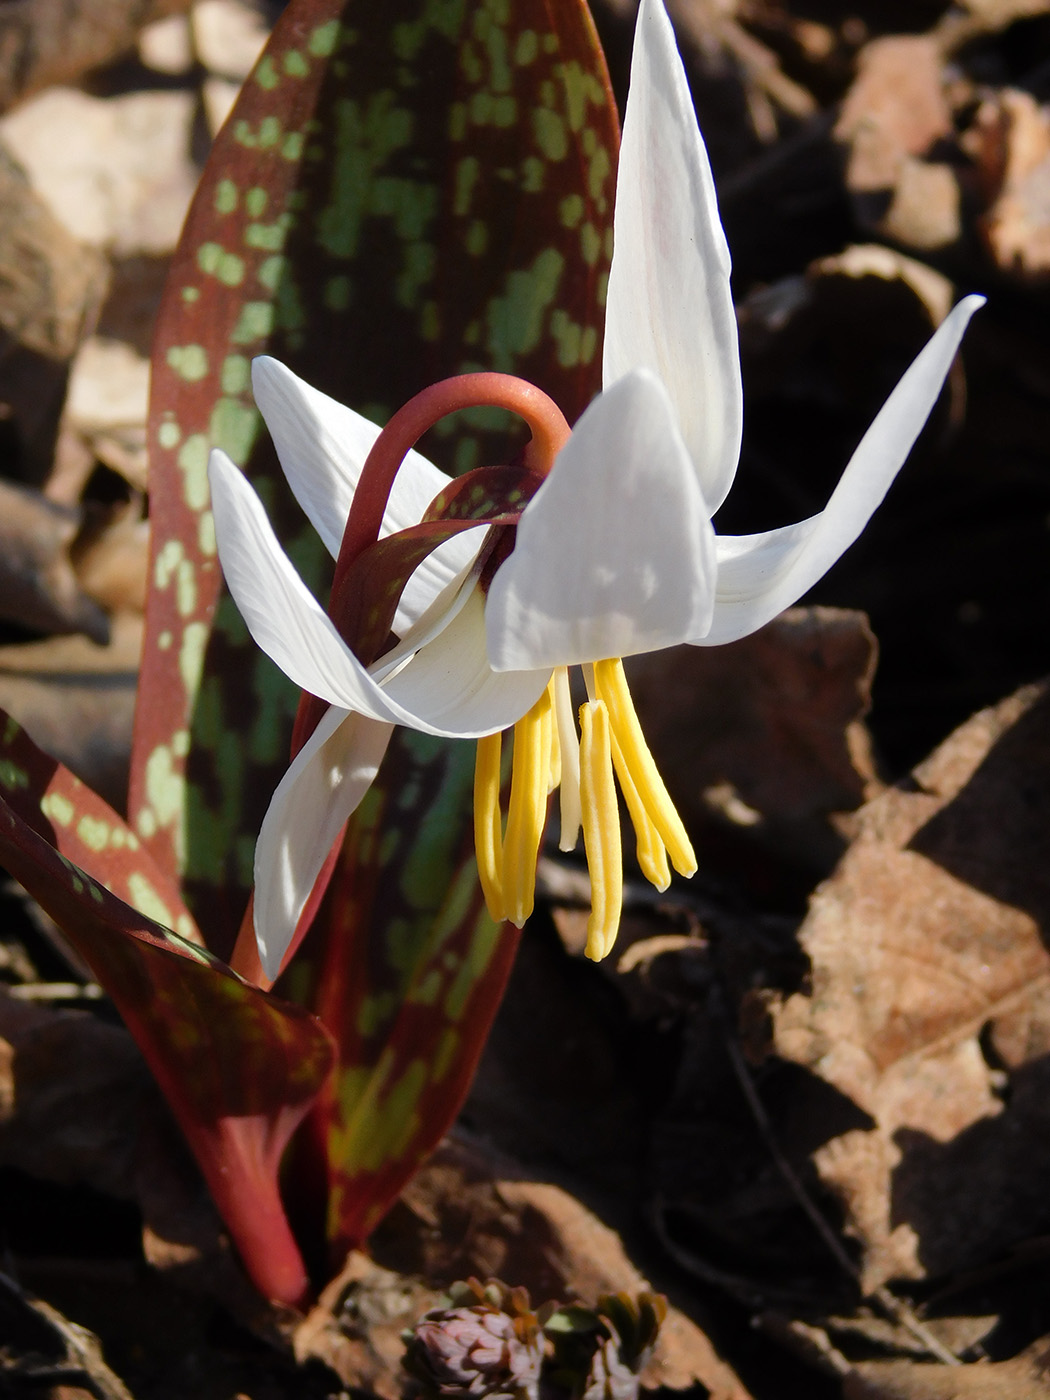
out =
column 528, row 809
column 611, row 687
column 650, row 850
column 569, row 744
column 601, row 829
column 554, row 777
column 488, row 840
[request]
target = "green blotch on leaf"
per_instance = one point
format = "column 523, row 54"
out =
column 236, row 374
column 386, row 1118
column 515, row 320
column 365, row 140
column 478, row 957
column 599, row 169
column 255, row 202
column 225, row 197
column 12, row 777
column 191, row 293
column 295, row 65
column 527, row 49
column 269, row 237
column 266, row 75
column 324, row 38
column 168, row 435
column 190, row 362
column 186, row 589
column 551, row 136
column 445, row 1054
column 191, row 656
column 206, row 534
column 209, row 256
column 270, row 130
column 94, row 833
column 443, row 17
column 570, row 210
column 270, row 271
column 292, row 146
column 233, row 426
column 193, row 463
column 255, row 322
column 533, row 174
column 374, row 1011
column 146, row 899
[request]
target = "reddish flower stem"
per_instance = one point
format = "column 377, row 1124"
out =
column 486, row 389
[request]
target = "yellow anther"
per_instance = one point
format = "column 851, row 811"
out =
column 528, row 809
column 611, row 687
column 650, row 850
column 601, row 829
column 488, row 840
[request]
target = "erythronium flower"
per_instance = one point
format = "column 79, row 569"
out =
column 599, row 548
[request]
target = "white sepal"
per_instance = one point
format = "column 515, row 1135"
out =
column 615, row 552
column 323, row 786
column 761, row 575
column 670, row 307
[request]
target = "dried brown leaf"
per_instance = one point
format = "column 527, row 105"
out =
column 931, row 930
column 54, row 41
column 892, row 119
column 1025, row 1377
column 1011, row 142
column 51, row 288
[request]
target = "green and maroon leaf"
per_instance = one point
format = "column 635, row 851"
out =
column 240, row 1069
column 405, row 190
column 411, row 1010
column 86, row 830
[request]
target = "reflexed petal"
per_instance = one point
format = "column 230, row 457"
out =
column 615, row 552
column 670, row 306
column 760, row 575
column 464, row 700
column 322, row 446
column 323, row 786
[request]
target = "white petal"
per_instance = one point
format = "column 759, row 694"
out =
column 466, row 699
column 760, row 575
column 670, row 307
column 452, row 681
column 615, row 552
column 322, row 446
column 323, row 786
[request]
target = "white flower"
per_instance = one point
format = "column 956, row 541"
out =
column 614, row 553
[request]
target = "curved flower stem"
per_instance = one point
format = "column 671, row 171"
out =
column 485, row 389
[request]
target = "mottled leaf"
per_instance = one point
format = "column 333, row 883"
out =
column 239, row 1068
